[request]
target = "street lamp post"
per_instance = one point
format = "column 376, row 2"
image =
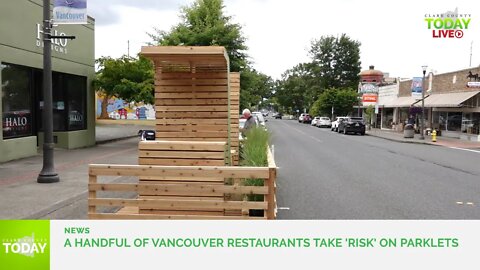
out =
column 422, row 129
column 48, row 174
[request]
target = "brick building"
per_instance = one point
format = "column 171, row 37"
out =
column 452, row 103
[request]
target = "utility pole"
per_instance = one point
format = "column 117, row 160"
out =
column 48, row 174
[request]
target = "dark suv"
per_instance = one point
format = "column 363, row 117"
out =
column 352, row 124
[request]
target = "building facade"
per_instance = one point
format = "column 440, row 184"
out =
column 21, row 77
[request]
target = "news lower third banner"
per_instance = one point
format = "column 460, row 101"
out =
column 73, row 244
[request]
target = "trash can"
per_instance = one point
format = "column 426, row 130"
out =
column 408, row 131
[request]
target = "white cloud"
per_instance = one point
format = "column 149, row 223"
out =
column 394, row 35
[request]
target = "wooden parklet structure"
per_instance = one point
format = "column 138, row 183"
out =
column 192, row 93
column 187, row 172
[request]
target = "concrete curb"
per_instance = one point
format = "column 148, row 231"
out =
column 56, row 206
column 400, row 140
column 115, row 139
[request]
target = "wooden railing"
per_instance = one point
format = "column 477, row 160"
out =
column 173, row 198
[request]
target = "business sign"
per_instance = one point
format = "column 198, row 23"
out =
column 70, row 12
column 450, row 24
column 417, row 87
column 473, row 84
column 368, row 88
column 369, row 99
column 59, row 45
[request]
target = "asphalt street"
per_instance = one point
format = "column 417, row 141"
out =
column 326, row 175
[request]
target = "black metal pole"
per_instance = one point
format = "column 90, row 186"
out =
column 48, row 174
column 422, row 128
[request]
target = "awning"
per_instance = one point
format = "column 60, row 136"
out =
column 400, row 102
column 449, row 99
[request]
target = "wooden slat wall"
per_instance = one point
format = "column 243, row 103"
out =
column 191, row 105
column 174, row 195
column 181, row 153
column 234, row 115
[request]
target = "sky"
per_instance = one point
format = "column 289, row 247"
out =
column 394, row 36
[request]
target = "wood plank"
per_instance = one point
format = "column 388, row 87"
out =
column 179, row 189
column 189, row 101
column 190, row 75
column 213, row 95
column 190, row 108
column 92, row 194
column 181, row 145
column 194, row 89
column 181, row 212
column 184, row 179
column 190, row 171
column 190, row 134
column 191, row 114
column 199, row 139
column 196, row 204
column 191, row 81
column 180, row 162
column 181, row 154
column 191, row 128
column 112, row 216
column 191, row 121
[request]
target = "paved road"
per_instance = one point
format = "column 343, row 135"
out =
column 326, row 175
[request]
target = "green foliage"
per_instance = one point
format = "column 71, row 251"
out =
column 254, row 153
column 335, row 65
column 255, row 88
column 369, row 112
column 297, row 89
column 204, row 24
column 336, row 60
column 342, row 101
column 127, row 78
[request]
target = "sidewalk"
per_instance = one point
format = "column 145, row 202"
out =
column 441, row 141
column 21, row 197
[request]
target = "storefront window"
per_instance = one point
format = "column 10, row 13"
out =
column 69, row 102
column 16, row 101
column 387, row 118
column 470, row 123
column 454, row 121
column 76, row 101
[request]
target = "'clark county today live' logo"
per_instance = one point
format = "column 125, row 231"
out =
column 450, row 24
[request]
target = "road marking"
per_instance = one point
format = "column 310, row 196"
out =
column 464, row 149
column 466, row 203
column 470, row 203
column 460, row 203
column 283, row 208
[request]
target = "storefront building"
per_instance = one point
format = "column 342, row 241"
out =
column 21, row 76
column 452, row 104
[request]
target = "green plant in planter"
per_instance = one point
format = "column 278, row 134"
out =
column 254, row 153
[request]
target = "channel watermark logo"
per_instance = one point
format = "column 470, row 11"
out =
column 25, row 244
column 450, row 24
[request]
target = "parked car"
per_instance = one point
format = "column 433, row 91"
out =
column 305, row 118
column 277, row 116
column 352, row 125
column 260, row 119
column 335, row 123
column 324, row 122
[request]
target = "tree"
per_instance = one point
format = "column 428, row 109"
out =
column 341, row 100
column 256, row 88
column 204, row 24
column 127, row 78
column 336, row 60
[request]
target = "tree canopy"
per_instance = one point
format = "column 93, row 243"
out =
column 127, row 78
column 328, row 80
column 204, row 23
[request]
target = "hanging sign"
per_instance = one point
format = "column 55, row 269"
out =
column 70, row 12
column 417, row 87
